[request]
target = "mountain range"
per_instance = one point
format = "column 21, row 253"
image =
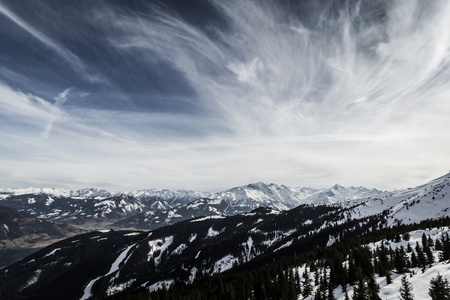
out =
column 153, row 208
column 194, row 253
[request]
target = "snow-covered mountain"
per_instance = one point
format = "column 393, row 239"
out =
column 107, row 262
column 152, row 208
column 427, row 201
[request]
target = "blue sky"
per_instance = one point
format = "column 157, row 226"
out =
column 206, row 95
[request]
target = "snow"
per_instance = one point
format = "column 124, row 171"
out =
column 248, row 248
column 192, row 237
column 192, row 274
column 53, row 252
column 420, row 283
column 87, row 290
column 212, row 233
column 31, row 201
column 415, row 236
column 406, row 206
column 114, row 289
column 225, row 263
column 49, row 201
column 131, row 234
column 160, row 284
column 207, row 218
column 6, row 227
column 32, row 280
column 159, row 245
column 283, row 246
column 179, row 249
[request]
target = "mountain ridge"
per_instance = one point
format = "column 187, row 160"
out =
column 90, row 204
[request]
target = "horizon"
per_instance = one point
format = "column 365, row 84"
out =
column 114, row 191
column 206, row 95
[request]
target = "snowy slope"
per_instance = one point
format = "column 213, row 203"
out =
column 427, row 201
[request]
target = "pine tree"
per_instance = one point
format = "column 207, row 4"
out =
column 373, row 288
column 406, row 289
column 439, row 288
column 360, row 292
column 388, row 277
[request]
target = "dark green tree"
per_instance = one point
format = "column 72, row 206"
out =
column 360, row 291
column 406, row 289
column 439, row 288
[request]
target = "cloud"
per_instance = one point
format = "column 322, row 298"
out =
column 354, row 94
column 57, row 109
column 74, row 61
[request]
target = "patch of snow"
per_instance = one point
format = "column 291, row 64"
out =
column 248, row 248
column 159, row 245
column 32, row 280
column 179, row 249
column 207, row 218
column 49, row 201
column 6, row 227
column 53, row 252
column 212, row 232
column 87, row 290
column 132, row 233
column 192, row 237
column 31, row 201
column 119, row 259
column 225, row 263
column 114, row 289
column 192, row 274
column 160, row 284
column 283, row 246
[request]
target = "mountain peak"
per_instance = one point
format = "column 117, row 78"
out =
column 337, row 187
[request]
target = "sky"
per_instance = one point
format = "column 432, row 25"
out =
column 207, row 95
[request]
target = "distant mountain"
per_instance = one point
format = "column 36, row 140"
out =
column 152, row 208
column 108, row 262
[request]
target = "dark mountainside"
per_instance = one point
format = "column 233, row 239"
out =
column 22, row 234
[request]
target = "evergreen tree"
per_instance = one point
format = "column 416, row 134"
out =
column 360, row 292
column 445, row 254
column 439, row 288
column 388, row 277
column 406, row 289
column 373, row 288
column 421, row 259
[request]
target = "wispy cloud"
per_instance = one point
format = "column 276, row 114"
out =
column 74, row 61
column 355, row 94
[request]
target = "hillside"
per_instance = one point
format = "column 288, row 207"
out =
column 22, row 234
